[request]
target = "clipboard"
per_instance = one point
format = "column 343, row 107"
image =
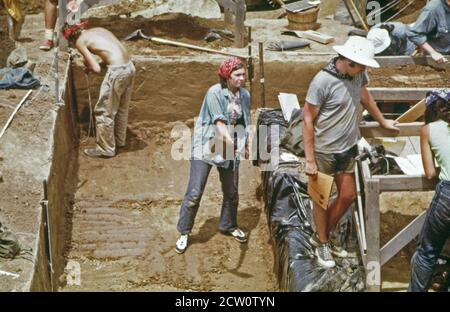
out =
column 320, row 189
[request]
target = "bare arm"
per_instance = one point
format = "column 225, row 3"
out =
column 369, row 103
column 436, row 56
column 89, row 58
column 310, row 113
column 427, row 153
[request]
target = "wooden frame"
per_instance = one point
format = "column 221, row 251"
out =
column 234, row 11
column 374, row 185
column 398, row 94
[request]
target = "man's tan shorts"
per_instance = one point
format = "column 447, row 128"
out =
column 335, row 163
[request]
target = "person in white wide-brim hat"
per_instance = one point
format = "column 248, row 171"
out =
column 330, row 133
column 359, row 50
column 391, row 39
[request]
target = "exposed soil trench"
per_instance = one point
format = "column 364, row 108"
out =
column 126, row 209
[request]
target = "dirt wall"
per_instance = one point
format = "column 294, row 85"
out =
column 174, row 90
column 61, row 179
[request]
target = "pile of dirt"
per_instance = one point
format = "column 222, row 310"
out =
column 32, row 6
column 410, row 14
column 410, row 76
column 172, row 26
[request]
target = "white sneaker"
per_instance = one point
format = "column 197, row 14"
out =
column 324, row 257
column 338, row 251
column 238, row 235
column 182, row 243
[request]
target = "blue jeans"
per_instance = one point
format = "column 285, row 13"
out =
column 198, row 176
column 434, row 234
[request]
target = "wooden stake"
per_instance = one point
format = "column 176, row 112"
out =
column 261, row 74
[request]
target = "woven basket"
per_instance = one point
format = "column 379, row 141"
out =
column 303, row 20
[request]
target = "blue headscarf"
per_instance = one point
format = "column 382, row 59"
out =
column 433, row 96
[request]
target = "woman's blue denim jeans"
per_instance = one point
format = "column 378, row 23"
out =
column 198, row 177
column 434, row 234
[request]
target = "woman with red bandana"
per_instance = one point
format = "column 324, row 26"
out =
column 111, row 110
column 220, row 137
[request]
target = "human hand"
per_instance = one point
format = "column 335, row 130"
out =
column 246, row 152
column 438, row 58
column 390, row 124
column 311, row 168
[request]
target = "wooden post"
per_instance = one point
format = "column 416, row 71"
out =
column 261, row 74
column 239, row 27
column 373, row 266
column 358, row 14
column 350, row 13
column 62, row 17
column 250, row 65
column 228, row 16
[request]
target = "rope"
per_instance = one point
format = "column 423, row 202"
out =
column 400, row 11
column 384, row 9
column 91, row 120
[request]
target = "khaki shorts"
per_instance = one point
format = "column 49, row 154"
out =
column 333, row 164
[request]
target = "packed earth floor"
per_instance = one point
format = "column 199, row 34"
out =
column 123, row 214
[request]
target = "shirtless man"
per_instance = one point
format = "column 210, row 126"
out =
column 111, row 110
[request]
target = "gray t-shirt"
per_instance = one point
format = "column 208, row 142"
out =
column 336, row 126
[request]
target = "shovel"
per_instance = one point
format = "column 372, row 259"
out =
column 138, row 34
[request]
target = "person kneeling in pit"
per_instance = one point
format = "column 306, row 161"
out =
column 111, row 110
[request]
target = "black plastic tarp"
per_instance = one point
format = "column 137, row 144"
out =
column 288, row 210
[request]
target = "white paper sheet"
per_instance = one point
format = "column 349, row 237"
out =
column 288, row 102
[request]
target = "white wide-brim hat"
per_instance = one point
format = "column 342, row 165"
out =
column 358, row 49
column 380, row 39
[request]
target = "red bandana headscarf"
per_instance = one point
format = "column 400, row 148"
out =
column 72, row 29
column 227, row 66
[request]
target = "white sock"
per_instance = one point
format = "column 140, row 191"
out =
column 48, row 34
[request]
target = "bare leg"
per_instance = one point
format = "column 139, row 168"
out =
column 320, row 220
column 345, row 183
column 325, row 220
column 51, row 13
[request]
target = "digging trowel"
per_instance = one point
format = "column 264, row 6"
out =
column 138, row 34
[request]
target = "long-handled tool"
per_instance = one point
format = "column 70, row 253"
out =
column 139, row 34
column 14, row 113
column 44, row 204
column 359, row 15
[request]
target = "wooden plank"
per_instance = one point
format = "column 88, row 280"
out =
column 62, row 18
column 400, row 240
column 365, row 172
column 227, row 4
column 413, row 113
column 398, row 94
column 395, row 183
column 371, row 129
column 228, row 16
column 315, row 36
column 373, row 268
column 239, row 27
column 403, row 60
